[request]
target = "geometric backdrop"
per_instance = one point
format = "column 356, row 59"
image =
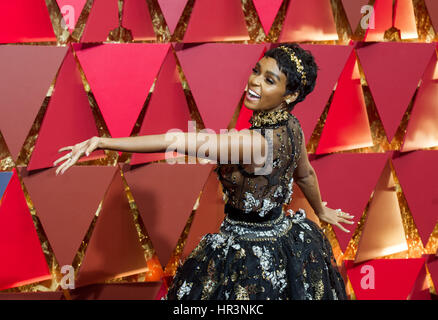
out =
column 73, row 69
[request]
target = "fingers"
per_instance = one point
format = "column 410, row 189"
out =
column 70, row 163
column 74, row 160
column 66, row 156
column 67, row 165
column 89, row 150
column 63, row 157
column 345, row 221
column 341, row 227
column 342, row 214
column 65, row 148
column 77, row 150
column 63, row 166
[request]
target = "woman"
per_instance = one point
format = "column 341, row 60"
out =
column 260, row 252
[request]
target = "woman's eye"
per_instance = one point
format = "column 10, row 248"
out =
column 270, row 81
column 254, row 70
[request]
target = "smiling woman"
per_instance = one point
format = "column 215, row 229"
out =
column 259, row 251
column 266, row 87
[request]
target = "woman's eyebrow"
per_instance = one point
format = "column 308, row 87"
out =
column 274, row 74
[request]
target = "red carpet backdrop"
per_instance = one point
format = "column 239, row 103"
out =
column 115, row 225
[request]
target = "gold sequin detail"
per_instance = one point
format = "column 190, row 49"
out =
column 298, row 63
column 241, row 293
column 261, row 117
column 319, row 290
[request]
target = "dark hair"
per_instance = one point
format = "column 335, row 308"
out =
column 288, row 67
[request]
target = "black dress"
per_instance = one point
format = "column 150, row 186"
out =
column 260, row 252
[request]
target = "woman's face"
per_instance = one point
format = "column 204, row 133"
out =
column 266, row 86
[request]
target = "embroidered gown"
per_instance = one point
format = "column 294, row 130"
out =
column 260, row 252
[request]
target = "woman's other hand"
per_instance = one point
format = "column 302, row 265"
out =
column 335, row 217
column 77, row 151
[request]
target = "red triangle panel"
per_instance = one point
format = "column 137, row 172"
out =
column 71, row 10
column 25, row 78
column 347, row 125
column 25, row 21
column 418, row 182
column 167, row 109
column 22, row 258
column 216, row 20
column 68, row 119
column 104, row 17
column 267, row 11
column 121, row 77
column 308, row 20
column 165, row 195
column 114, row 249
column 208, row 216
column 350, row 188
column 331, row 60
column 392, row 77
column 384, row 279
column 172, row 11
column 137, row 19
column 231, row 69
column 66, row 204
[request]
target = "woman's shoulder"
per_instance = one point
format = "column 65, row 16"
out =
column 294, row 122
column 294, row 118
column 295, row 125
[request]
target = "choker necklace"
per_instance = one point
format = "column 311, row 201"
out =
column 266, row 118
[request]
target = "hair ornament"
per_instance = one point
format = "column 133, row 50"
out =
column 297, row 62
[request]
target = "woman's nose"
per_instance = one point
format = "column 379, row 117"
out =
column 254, row 80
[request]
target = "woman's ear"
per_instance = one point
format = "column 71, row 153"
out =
column 291, row 97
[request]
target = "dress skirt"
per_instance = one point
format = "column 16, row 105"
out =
column 286, row 258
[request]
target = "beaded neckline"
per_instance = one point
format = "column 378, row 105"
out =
column 268, row 118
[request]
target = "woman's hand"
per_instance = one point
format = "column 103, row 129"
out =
column 335, row 217
column 78, row 150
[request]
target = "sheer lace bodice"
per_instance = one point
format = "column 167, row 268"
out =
column 259, row 193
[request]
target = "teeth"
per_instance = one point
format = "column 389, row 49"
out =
column 253, row 93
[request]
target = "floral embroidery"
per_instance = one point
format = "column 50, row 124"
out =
column 277, row 277
column 278, row 191
column 212, row 267
column 250, row 202
column 267, row 206
column 241, row 293
column 289, row 190
column 184, row 289
column 217, row 240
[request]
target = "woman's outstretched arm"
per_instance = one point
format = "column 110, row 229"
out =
column 245, row 146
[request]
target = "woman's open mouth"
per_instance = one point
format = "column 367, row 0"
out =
column 253, row 96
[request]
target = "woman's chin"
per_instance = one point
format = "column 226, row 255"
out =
column 250, row 104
